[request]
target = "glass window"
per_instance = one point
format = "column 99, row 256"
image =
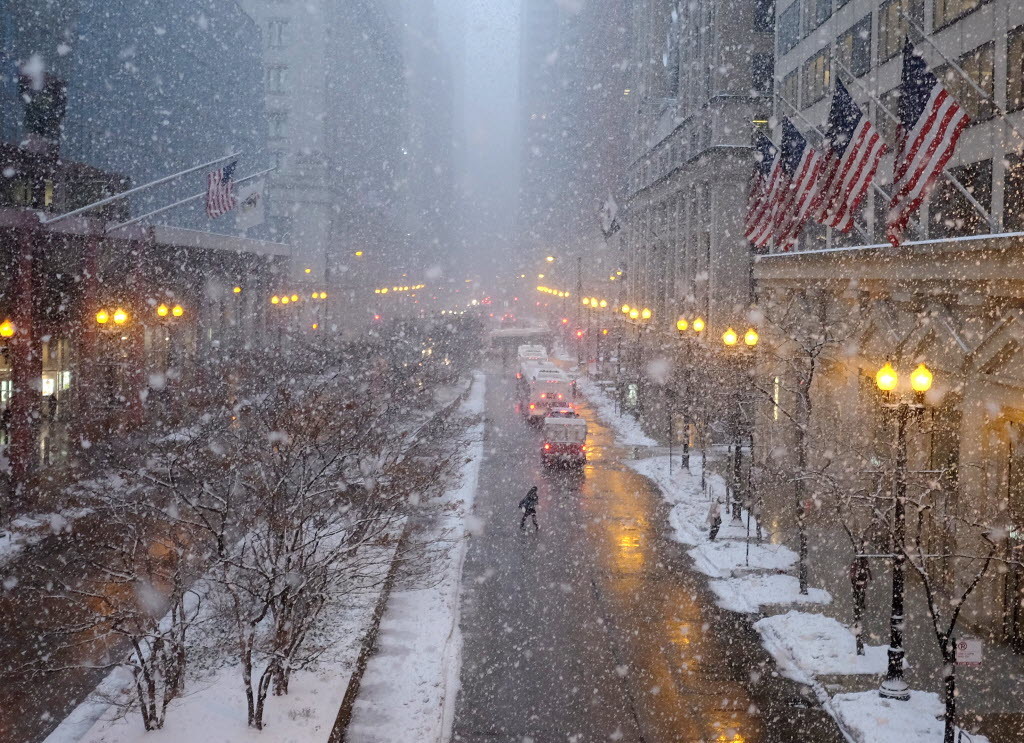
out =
column 762, row 70
column 764, row 15
column 789, row 27
column 277, row 121
column 892, row 28
column 1013, row 194
column 818, row 11
column 1015, row 70
column 950, row 213
column 789, row 90
column 853, row 48
column 816, row 77
column 276, row 79
column 979, row 65
column 947, row 11
column 275, row 33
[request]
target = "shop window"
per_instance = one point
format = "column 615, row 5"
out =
column 816, row 77
column 853, row 48
column 893, row 28
column 950, row 213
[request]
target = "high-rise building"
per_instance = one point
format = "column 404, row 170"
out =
column 572, row 90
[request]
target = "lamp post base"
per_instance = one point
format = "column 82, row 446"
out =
column 894, row 688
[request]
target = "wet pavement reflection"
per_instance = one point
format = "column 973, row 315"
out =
column 595, row 628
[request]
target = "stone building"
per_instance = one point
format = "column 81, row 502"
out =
column 949, row 298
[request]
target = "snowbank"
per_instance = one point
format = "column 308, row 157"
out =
column 726, row 558
column 871, row 719
column 807, row 645
column 749, row 593
column 627, row 429
column 409, row 689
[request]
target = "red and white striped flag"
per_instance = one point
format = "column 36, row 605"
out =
column 930, row 124
column 219, row 196
column 851, row 159
column 801, row 167
column 758, row 225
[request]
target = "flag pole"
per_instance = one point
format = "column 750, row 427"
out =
column 948, row 176
column 161, row 210
column 137, row 189
column 970, row 81
column 807, row 121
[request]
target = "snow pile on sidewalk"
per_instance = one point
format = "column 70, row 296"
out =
column 869, row 718
column 410, row 685
column 807, row 645
column 627, row 428
column 725, row 558
column 749, row 593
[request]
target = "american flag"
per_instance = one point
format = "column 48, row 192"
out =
column 219, row 197
column 758, row 225
column 930, row 123
column 854, row 148
column 801, row 166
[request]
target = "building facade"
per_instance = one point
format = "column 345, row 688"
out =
column 702, row 84
column 948, row 298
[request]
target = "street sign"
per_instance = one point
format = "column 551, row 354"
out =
column 968, row 652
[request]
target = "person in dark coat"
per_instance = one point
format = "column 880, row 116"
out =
column 528, row 505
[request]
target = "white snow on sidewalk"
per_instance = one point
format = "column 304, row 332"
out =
column 627, row 428
column 871, row 719
column 408, row 691
column 727, row 558
column 807, row 645
column 750, row 592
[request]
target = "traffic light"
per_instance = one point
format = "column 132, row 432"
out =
column 579, row 333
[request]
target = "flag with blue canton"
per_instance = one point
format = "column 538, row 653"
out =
column 757, row 229
column 854, row 148
column 801, row 166
column 930, row 124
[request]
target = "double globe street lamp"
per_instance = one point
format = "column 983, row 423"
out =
column 887, row 379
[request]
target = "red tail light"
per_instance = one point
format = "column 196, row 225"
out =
column 519, row 375
column 559, row 395
column 547, row 447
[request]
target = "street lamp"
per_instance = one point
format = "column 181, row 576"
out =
column 699, row 325
column 177, row 311
column 102, row 317
column 751, row 338
column 163, row 310
column 645, row 314
column 237, row 290
column 625, row 309
column 6, row 328
column 730, row 338
column 550, row 259
column 634, row 313
column 682, row 324
column 893, row 686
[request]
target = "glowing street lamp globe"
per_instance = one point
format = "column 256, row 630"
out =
column 178, row 310
column 163, row 309
column 729, row 337
column 6, row 328
column 604, row 303
column 625, row 309
column 921, row 379
column 634, row 313
column 586, row 301
column 682, row 324
column 102, row 317
column 886, row 378
column 751, row 337
column 698, row 325
column 645, row 314
column 120, row 316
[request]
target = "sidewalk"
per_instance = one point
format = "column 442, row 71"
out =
column 808, row 635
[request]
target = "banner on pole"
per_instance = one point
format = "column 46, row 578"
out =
column 251, row 211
